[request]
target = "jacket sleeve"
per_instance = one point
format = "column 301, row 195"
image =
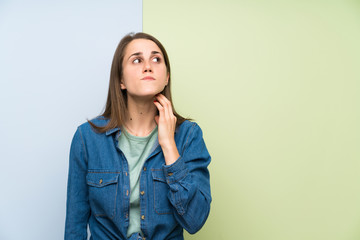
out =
column 77, row 205
column 189, row 182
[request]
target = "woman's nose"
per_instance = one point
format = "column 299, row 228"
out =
column 147, row 67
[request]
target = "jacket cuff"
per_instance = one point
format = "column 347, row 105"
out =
column 176, row 171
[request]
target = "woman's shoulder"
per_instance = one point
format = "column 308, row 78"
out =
column 188, row 126
column 98, row 121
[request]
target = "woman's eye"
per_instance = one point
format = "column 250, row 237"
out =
column 137, row 60
column 156, row 59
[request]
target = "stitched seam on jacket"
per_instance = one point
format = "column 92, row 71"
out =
column 83, row 144
column 187, row 139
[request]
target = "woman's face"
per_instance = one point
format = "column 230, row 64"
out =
column 144, row 69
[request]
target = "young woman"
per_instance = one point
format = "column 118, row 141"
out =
column 138, row 171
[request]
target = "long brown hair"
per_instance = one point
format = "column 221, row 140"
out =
column 116, row 103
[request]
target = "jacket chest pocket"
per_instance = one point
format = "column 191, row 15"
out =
column 162, row 204
column 103, row 188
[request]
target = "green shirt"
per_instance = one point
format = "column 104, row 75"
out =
column 136, row 150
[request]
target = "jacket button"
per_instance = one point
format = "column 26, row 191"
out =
column 142, row 192
column 144, row 168
column 127, row 192
column 100, row 181
column 142, row 217
column 126, row 173
column 170, row 174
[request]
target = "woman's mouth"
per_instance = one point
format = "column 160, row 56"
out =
column 148, row 78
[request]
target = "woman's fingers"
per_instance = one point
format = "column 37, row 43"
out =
column 159, row 107
column 166, row 104
column 163, row 103
column 166, row 119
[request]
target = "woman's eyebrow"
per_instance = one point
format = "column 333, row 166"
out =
column 135, row 54
column 140, row 53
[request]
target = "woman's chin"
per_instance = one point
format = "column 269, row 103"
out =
column 150, row 93
column 144, row 97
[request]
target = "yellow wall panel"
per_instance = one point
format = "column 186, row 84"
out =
column 275, row 88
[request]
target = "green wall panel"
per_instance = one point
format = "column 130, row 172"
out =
column 275, row 87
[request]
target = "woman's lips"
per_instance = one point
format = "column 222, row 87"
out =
column 148, row 78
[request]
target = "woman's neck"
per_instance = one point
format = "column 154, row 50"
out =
column 140, row 120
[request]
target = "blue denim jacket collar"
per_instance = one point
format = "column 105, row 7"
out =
column 113, row 130
column 156, row 148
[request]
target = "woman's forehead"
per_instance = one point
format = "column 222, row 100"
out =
column 143, row 46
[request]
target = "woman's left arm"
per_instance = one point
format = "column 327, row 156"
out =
column 186, row 172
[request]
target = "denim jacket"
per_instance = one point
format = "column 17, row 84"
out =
column 172, row 197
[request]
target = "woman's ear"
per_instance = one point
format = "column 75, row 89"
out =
column 167, row 79
column 122, row 85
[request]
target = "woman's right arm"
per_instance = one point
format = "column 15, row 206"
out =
column 77, row 205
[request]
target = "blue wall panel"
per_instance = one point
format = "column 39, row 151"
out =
column 55, row 60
